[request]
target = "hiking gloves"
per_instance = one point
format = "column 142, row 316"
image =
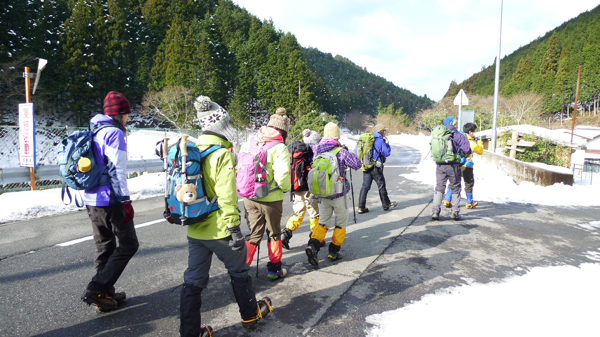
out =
column 237, row 241
column 127, row 211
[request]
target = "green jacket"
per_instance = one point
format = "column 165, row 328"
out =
column 278, row 169
column 218, row 169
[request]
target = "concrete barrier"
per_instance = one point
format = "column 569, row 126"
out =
column 521, row 171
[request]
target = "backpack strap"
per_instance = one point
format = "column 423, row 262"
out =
column 335, row 151
column 209, row 150
column 269, row 145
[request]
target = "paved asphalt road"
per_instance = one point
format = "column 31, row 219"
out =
column 390, row 259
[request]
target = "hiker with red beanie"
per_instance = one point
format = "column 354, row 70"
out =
column 109, row 206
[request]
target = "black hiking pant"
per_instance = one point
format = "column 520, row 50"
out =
column 196, row 277
column 375, row 173
column 110, row 260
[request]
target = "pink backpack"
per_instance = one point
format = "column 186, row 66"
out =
column 251, row 171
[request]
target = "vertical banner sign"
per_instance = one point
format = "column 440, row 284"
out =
column 27, row 135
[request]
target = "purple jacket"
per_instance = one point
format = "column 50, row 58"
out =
column 110, row 150
column 460, row 141
column 344, row 158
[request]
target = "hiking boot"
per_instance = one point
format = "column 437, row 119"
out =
column 264, row 308
column 393, row 204
column 472, row 205
column 274, row 275
column 285, row 240
column 99, row 298
column 455, row 216
column 206, row 331
column 447, row 203
column 435, row 216
column 363, row 210
column 311, row 253
column 335, row 256
column 119, row 297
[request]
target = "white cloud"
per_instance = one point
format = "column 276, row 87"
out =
column 418, row 45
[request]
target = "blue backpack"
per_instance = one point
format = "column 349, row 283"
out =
column 187, row 213
column 78, row 167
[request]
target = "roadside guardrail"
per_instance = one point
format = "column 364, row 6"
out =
column 11, row 175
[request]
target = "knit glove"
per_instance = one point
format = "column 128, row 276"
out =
column 127, row 211
column 237, row 241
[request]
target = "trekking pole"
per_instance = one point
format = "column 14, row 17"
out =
column 425, row 155
column 184, row 179
column 165, row 156
column 352, row 190
column 257, row 257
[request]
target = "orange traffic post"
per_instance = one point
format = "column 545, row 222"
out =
column 28, row 100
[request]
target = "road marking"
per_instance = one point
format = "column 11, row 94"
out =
column 91, row 237
column 72, row 242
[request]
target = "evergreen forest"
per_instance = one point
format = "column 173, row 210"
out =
column 342, row 87
column 548, row 66
column 161, row 54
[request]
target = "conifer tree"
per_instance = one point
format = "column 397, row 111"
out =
column 171, row 67
column 545, row 83
column 590, row 70
column 521, row 76
column 562, row 84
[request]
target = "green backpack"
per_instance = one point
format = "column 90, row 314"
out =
column 442, row 147
column 324, row 176
column 365, row 145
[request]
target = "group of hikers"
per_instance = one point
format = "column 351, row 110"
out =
column 312, row 170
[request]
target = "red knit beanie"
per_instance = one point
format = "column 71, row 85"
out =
column 115, row 103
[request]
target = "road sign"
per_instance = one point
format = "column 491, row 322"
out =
column 27, row 135
column 466, row 116
column 461, row 98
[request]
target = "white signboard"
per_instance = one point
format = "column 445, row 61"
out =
column 461, row 98
column 27, row 135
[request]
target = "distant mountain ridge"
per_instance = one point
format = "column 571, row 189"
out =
column 548, row 66
column 342, row 86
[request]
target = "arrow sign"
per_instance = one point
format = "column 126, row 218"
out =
column 461, row 98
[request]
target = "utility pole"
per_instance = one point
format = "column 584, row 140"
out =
column 496, row 88
column 575, row 110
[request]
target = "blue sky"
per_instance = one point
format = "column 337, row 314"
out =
column 420, row 45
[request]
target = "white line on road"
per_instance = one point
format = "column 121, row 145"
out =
column 72, row 242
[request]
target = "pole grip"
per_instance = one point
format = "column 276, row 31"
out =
column 164, row 148
column 183, row 145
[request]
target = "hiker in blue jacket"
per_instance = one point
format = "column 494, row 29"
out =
column 381, row 150
column 450, row 172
